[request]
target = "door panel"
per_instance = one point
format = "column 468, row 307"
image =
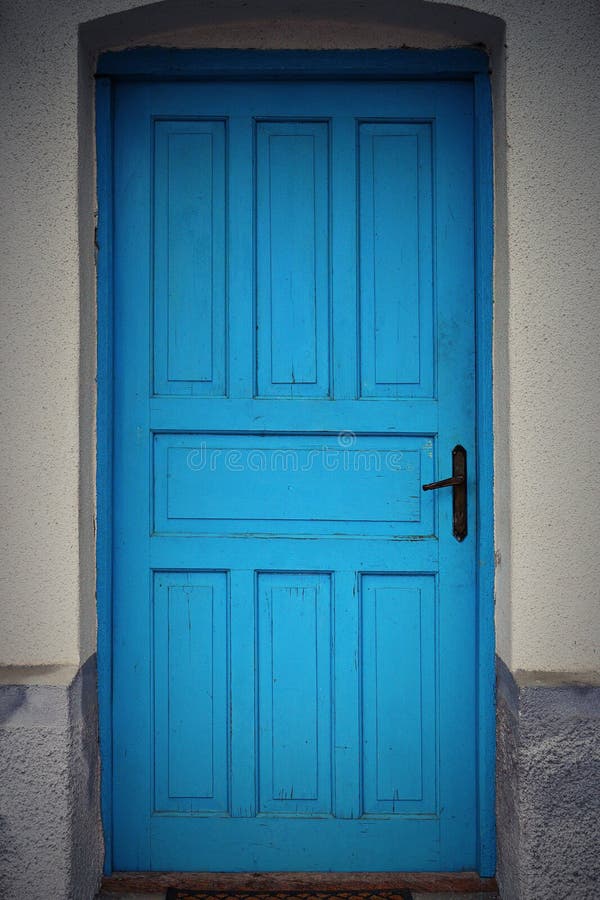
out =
column 294, row 690
column 191, row 710
column 320, row 483
column 399, row 704
column 292, row 259
column 294, row 623
column 189, row 258
column 396, row 260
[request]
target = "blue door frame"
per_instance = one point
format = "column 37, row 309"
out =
column 161, row 64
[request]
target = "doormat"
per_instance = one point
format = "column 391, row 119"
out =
column 185, row 894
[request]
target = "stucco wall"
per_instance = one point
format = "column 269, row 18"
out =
column 50, row 834
column 547, row 329
column 548, row 786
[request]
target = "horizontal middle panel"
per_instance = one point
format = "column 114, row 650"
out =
column 314, row 484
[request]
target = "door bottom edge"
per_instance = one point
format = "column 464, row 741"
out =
column 330, row 882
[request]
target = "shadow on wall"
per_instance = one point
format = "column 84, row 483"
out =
column 11, row 701
column 272, row 24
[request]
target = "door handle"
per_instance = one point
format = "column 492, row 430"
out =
column 458, row 483
column 445, row 482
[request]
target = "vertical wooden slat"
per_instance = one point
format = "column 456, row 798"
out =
column 344, row 256
column 242, row 654
column 346, row 656
column 240, row 256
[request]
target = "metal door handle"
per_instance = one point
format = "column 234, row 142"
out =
column 445, row 482
column 458, row 483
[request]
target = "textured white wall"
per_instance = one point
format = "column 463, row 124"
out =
column 553, row 126
column 547, row 288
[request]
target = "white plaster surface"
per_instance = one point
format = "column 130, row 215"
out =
column 547, row 331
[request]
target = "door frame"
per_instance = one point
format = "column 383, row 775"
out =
column 159, row 64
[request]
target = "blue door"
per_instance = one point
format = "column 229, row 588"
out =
column 294, row 642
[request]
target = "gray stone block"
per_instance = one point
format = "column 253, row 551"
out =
column 50, row 832
column 548, row 787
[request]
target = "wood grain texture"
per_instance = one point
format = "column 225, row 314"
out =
column 189, row 253
column 396, row 260
column 484, row 245
column 426, row 882
column 158, row 62
column 292, row 259
column 367, row 518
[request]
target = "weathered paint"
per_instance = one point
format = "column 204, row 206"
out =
column 295, row 844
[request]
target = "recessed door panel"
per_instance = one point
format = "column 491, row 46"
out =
column 396, row 259
column 190, row 663
column 399, row 702
column 292, row 259
column 284, row 483
column 295, row 693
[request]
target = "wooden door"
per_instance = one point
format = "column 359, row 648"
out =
column 294, row 679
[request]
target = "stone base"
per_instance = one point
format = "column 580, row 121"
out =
column 50, row 831
column 548, row 786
